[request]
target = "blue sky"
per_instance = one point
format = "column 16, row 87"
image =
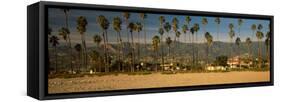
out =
column 57, row 20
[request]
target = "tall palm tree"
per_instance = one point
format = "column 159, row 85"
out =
column 209, row 41
column 249, row 44
column 126, row 16
column 238, row 42
column 187, row 22
column 117, row 27
column 184, row 30
column 167, row 27
column 78, row 48
column 259, row 35
column 54, row 40
column 169, row 42
column 196, row 28
column 161, row 32
column 231, row 34
column 175, row 27
column 218, row 21
column 97, row 40
column 66, row 14
column 253, row 28
column 50, row 30
column 143, row 16
column 192, row 30
column 104, row 24
column 81, row 28
column 240, row 22
column 132, row 27
column 267, row 43
column 155, row 45
column 138, row 28
column 64, row 32
column 204, row 23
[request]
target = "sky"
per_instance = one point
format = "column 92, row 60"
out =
column 57, row 20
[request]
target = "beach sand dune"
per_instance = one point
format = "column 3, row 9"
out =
column 155, row 80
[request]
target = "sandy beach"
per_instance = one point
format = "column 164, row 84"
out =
column 123, row 81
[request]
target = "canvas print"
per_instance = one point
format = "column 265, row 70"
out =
column 97, row 50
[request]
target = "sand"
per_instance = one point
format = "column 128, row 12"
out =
column 155, row 80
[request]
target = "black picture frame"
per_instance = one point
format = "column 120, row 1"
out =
column 37, row 53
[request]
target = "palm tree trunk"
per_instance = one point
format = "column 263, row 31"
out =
column 70, row 49
column 193, row 51
column 56, row 58
column 138, row 48
column 105, row 52
column 82, row 52
column 268, row 55
column 133, row 52
column 144, row 34
column 162, row 52
column 118, row 53
column 106, row 38
column 260, row 58
column 121, row 50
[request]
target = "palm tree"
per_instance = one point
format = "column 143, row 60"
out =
column 204, row 23
column 155, row 45
column 240, row 22
column 143, row 16
column 167, row 28
column 218, row 21
column 132, row 27
column 253, row 28
column 209, row 41
column 231, row 34
column 66, row 13
column 238, row 42
column 169, row 42
column 117, row 27
column 187, row 21
column 54, row 40
column 259, row 35
column 78, row 48
column 192, row 30
column 64, row 32
column 175, row 22
column 126, row 16
column 138, row 28
column 184, row 29
column 97, row 40
column 104, row 24
column 196, row 28
column 267, row 43
column 161, row 32
column 249, row 43
column 81, row 27
column 49, row 33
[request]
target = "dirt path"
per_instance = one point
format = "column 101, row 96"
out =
column 112, row 82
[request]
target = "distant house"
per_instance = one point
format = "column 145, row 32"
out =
column 236, row 61
column 215, row 68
